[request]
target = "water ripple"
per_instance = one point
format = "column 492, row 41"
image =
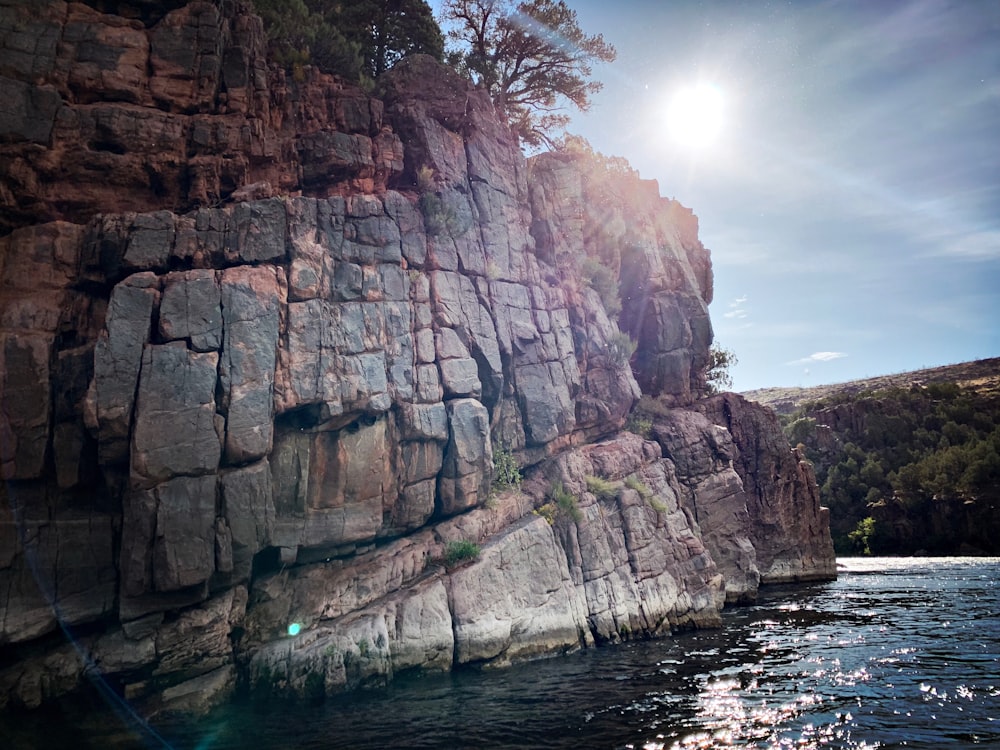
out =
column 895, row 654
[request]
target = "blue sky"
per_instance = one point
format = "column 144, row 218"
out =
column 852, row 198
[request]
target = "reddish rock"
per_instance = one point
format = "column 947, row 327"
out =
column 232, row 357
column 789, row 529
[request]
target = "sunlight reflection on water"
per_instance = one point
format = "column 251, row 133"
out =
column 876, row 642
column 897, row 653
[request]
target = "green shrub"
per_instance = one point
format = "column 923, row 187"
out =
column 566, row 503
column 459, row 551
column 640, row 425
column 549, row 512
column 862, row 536
column 506, row 472
column 438, row 218
column 620, row 348
column 634, row 483
column 602, row 489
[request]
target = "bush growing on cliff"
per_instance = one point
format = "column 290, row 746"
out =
column 506, row 472
column 459, row 551
column 863, row 535
column 599, row 166
column 601, row 488
column 563, row 505
column 530, row 57
column 634, row 483
column 639, row 425
column 620, row 348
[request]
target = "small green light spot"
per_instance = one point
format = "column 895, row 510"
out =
column 294, row 628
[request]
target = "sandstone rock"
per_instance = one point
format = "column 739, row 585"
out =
column 197, row 642
column 175, row 424
column 247, row 505
column 24, row 416
column 467, row 469
column 251, row 302
column 191, row 309
column 183, row 551
column 703, row 456
column 53, row 572
column 639, row 561
column 34, row 680
column 506, row 612
column 332, row 486
column 789, row 529
column 200, row 694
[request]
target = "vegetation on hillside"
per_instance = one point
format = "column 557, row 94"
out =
column 358, row 40
column 906, row 470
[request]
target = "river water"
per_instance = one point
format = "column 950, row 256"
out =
column 897, row 653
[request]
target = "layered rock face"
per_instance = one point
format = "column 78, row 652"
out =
column 261, row 340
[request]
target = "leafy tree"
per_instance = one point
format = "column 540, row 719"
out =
column 530, row 58
column 863, row 535
column 718, row 377
column 358, row 40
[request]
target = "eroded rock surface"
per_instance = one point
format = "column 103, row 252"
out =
column 255, row 373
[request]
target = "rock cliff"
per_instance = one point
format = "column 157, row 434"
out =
column 260, row 342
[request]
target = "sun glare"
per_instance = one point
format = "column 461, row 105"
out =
column 695, row 115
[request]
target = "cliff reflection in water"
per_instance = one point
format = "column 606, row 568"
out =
column 897, row 652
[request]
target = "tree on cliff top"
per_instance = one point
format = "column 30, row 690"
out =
column 357, row 40
column 530, row 58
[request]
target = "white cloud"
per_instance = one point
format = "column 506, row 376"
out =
column 817, row 357
column 736, row 309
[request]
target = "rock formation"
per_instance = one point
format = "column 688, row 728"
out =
column 260, row 340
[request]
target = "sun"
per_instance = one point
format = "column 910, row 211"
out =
column 695, row 115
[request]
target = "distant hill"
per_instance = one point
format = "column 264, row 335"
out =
column 903, row 469
column 983, row 375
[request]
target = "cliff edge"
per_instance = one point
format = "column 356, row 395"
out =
column 261, row 340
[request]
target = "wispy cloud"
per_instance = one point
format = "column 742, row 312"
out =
column 817, row 357
column 975, row 246
column 736, row 310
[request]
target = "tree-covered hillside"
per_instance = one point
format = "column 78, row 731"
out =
column 907, row 470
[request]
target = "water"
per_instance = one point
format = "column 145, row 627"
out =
column 897, row 653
